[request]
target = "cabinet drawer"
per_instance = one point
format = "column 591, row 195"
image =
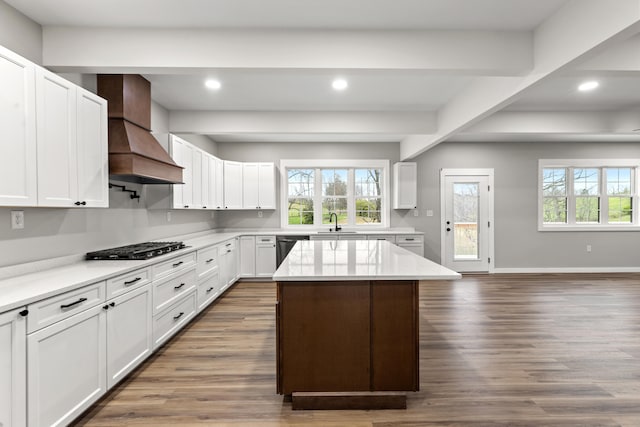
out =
column 168, row 291
column 388, row 237
column 227, row 246
column 208, row 290
column 171, row 320
column 174, row 266
column 410, row 238
column 207, row 261
column 265, row 240
column 127, row 282
column 51, row 310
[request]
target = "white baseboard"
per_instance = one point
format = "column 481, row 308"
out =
column 568, row 270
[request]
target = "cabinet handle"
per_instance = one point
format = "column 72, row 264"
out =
column 209, row 290
column 112, row 304
column 24, row 313
column 177, row 264
column 228, row 250
column 105, row 307
column 83, row 203
column 64, row 306
column 131, row 282
column 228, row 244
column 209, row 260
column 77, row 203
column 186, row 206
column 178, row 316
column 179, row 286
column 204, row 207
column 409, row 240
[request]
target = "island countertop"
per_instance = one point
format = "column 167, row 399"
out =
column 311, row 260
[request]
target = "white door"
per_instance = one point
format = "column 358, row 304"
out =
column 13, row 373
column 56, row 140
column 18, row 168
column 93, row 164
column 467, row 218
column 129, row 332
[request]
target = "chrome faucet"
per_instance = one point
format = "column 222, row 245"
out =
column 331, row 215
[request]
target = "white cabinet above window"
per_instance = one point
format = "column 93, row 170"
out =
column 258, row 186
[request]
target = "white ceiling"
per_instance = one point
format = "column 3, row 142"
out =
column 455, row 62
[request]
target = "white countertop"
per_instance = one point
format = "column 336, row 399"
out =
column 357, row 260
column 42, row 279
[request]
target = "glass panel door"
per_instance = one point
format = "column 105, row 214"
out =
column 465, row 220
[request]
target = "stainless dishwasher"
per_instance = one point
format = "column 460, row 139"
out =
column 284, row 244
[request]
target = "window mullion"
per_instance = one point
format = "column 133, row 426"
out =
column 604, row 197
column 571, row 198
column 317, row 198
column 351, row 204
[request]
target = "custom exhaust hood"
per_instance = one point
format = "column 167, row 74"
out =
column 134, row 154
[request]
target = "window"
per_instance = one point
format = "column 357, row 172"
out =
column 588, row 194
column 355, row 191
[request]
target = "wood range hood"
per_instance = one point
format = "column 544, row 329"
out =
column 134, row 154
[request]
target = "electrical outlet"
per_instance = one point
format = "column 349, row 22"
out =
column 429, row 212
column 168, row 216
column 17, row 220
column 259, row 214
column 416, row 212
column 588, row 248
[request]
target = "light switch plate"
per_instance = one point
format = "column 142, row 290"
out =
column 415, row 212
column 429, row 212
column 259, row 214
column 17, row 220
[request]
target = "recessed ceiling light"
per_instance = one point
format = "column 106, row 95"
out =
column 340, row 84
column 213, row 84
column 587, row 86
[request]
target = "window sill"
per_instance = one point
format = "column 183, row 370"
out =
column 589, row 228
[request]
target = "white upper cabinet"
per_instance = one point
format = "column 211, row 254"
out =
column 196, row 178
column 57, row 149
column 232, row 185
column 93, row 157
column 206, row 181
column 18, row 168
column 405, row 185
column 259, row 189
column 218, row 184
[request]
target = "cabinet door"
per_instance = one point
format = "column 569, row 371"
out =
column 250, row 185
column 405, row 185
column 205, row 186
column 208, row 290
column 187, row 175
column 66, row 368
column 247, row 256
column 18, row 165
column 232, row 185
column 265, row 259
column 93, row 166
column 267, row 186
column 196, row 178
column 13, row 356
column 218, row 201
column 129, row 332
column 175, row 149
column 56, row 140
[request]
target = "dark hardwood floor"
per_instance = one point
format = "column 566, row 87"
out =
column 495, row 350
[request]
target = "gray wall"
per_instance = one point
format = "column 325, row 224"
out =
column 20, row 34
column 273, row 152
column 518, row 243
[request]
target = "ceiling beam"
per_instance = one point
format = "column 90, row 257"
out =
column 96, row 50
column 577, row 30
column 316, row 122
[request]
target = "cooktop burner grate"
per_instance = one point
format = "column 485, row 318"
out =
column 137, row 251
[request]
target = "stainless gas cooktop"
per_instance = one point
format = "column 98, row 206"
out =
column 137, row 251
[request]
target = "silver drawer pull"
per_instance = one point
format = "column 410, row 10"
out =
column 65, row 306
column 131, row 282
column 179, row 286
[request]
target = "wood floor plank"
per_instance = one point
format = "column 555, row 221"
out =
column 495, row 351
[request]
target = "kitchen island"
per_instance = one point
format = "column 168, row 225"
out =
column 347, row 323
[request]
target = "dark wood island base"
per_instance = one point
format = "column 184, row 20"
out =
column 347, row 344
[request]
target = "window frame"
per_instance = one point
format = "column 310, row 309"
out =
column 350, row 165
column 603, row 225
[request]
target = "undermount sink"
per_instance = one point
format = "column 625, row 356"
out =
column 337, row 232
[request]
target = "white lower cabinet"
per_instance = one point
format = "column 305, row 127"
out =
column 208, row 290
column 173, row 318
column 66, row 368
column 13, row 374
column 265, row 256
column 228, row 263
column 129, row 332
column 247, row 256
column 411, row 242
